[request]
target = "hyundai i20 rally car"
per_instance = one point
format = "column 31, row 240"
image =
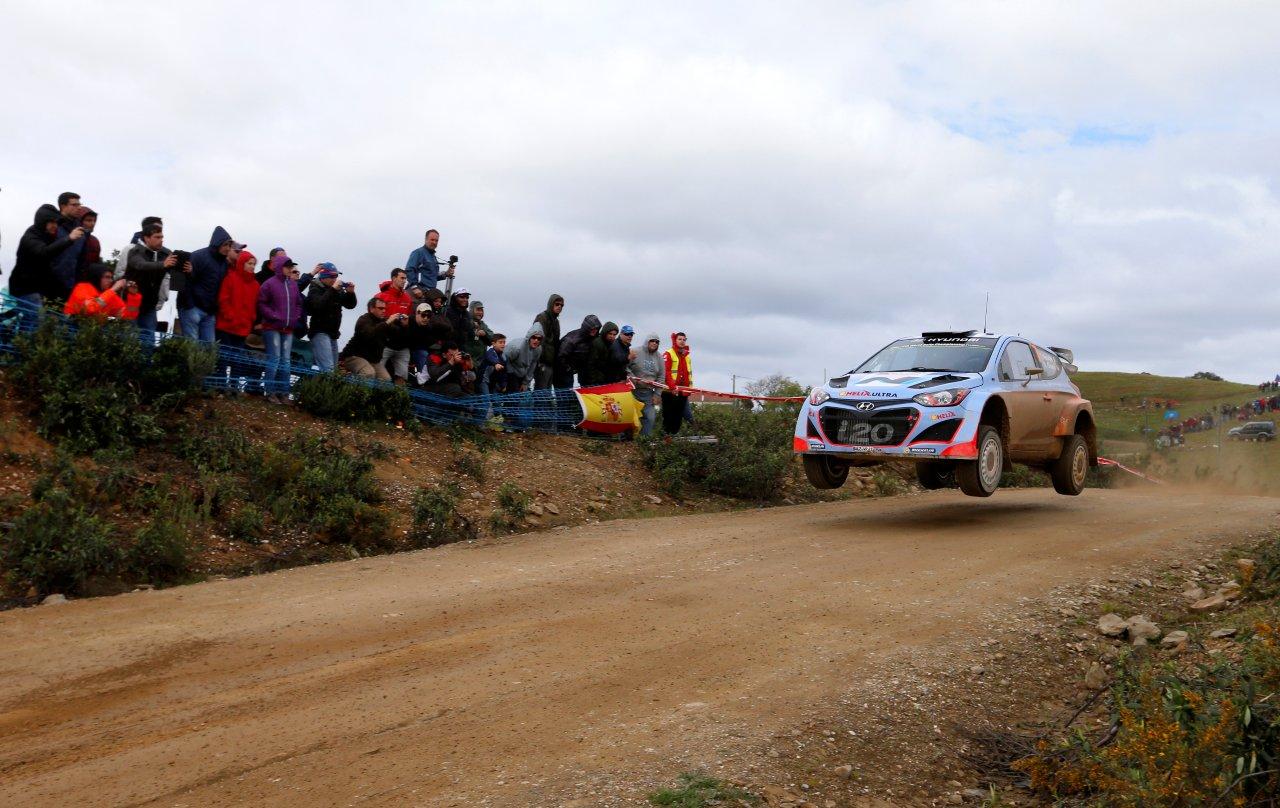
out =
column 961, row 405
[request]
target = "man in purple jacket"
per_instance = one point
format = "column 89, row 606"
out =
column 281, row 312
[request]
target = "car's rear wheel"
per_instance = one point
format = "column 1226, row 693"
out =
column 981, row 477
column 933, row 475
column 1071, row 468
column 825, row 472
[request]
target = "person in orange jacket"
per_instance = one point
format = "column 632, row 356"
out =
column 98, row 295
column 678, row 374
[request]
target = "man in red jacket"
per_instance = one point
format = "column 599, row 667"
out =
column 396, row 355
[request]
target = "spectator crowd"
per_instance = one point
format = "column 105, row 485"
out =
column 411, row 331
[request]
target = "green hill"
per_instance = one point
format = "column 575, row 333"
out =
column 1117, row 402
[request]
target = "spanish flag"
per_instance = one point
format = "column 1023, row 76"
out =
column 609, row 408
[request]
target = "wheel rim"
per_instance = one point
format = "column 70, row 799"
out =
column 990, row 464
column 1079, row 466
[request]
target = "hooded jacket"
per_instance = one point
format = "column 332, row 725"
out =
column 325, row 305
column 208, row 268
column 522, row 359
column 599, row 367
column 575, row 348
column 550, row 322
column 32, row 271
column 238, row 298
column 464, row 328
column 647, row 366
column 280, row 305
column 398, row 300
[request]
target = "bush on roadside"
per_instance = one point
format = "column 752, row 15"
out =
column 162, row 551
column 750, row 460
column 436, row 520
column 332, row 396
column 513, row 506
column 95, row 385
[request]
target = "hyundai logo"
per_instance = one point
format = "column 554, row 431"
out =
column 865, row 405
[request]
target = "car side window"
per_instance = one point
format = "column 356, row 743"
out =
column 1017, row 358
column 1048, row 361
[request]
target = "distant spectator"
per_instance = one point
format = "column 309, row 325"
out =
column 647, row 366
column 677, row 373
column 326, row 298
column 362, row 355
column 67, row 263
column 32, row 274
column 445, row 372
column 147, row 263
column 550, row 322
column 280, row 309
column 481, row 334
column 423, row 266
column 575, row 349
column 238, row 302
column 198, row 300
column 491, row 373
column 599, row 357
column 429, row 329
column 99, row 295
column 92, row 247
column 521, row 359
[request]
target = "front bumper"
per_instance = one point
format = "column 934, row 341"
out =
column 891, row 429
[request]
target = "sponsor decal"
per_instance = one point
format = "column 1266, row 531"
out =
column 865, row 450
column 816, row 444
column 942, row 416
column 922, row 450
column 865, row 394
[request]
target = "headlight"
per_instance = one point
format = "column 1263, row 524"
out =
column 942, row 398
column 818, row 396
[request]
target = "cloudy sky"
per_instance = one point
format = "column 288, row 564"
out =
column 793, row 184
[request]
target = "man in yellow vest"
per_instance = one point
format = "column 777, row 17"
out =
column 678, row 377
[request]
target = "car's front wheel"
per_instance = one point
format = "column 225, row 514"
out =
column 933, row 475
column 825, row 472
column 1071, row 468
column 981, row 477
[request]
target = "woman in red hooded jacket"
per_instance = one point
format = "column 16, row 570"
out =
column 238, row 301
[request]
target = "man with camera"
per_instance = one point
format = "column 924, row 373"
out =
column 362, row 355
column 326, row 298
column 423, row 267
column 66, row 264
column 148, row 264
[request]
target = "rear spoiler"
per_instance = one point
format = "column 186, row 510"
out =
column 1067, row 357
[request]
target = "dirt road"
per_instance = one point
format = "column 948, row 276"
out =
column 518, row 672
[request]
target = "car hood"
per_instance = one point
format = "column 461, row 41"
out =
column 898, row 384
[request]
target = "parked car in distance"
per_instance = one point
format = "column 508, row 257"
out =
column 1254, row 430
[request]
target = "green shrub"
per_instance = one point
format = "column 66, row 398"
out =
column 701, row 791
column 1020, row 476
column 246, row 523
column 887, row 483
column 57, row 545
column 470, row 465
column 750, row 459
column 330, row 395
column 343, row 519
column 93, row 385
column 436, row 519
column 214, row 448
column 513, row 506
column 162, row 551
column 595, row 446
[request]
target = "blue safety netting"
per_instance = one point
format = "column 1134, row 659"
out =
column 248, row 371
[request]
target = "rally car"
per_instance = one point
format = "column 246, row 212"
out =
column 961, row 405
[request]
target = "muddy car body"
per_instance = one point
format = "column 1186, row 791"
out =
column 960, row 405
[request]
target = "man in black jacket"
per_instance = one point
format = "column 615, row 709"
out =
column 575, row 350
column 363, row 354
column 147, row 265
column 326, row 298
column 39, row 246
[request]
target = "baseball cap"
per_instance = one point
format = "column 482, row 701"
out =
column 328, row 266
column 463, row 291
column 628, row 330
column 423, row 308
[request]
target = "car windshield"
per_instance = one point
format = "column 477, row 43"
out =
column 927, row 354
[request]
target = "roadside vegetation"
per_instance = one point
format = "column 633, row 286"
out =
column 695, row 790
